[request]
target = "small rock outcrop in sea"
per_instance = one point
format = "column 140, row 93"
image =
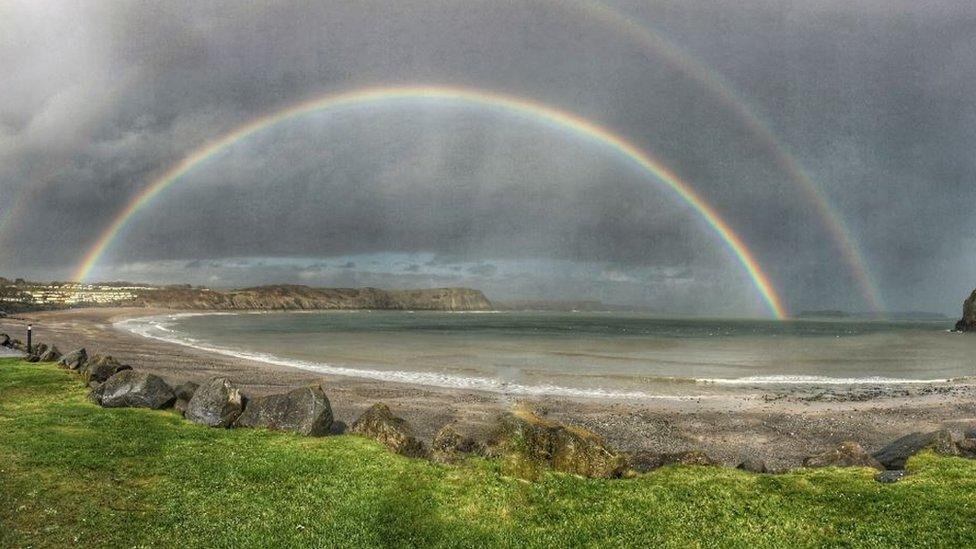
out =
column 846, row 454
column 305, row 411
column 529, row 444
column 184, row 392
column 896, row 454
column 132, row 389
column 52, row 354
column 379, row 423
column 217, row 403
column 968, row 321
column 100, row 368
column 74, row 360
column 449, row 446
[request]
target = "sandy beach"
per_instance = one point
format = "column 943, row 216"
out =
column 778, row 425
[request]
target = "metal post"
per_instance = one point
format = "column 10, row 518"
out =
column 30, row 329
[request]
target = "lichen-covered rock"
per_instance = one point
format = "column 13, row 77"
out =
column 846, row 454
column 449, row 446
column 184, row 392
column 52, row 354
column 896, row 454
column 529, row 444
column 379, row 423
column 644, row 460
column 74, row 360
column 305, row 411
column 100, row 368
column 216, row 403
column 132, row 389
column 968, row 321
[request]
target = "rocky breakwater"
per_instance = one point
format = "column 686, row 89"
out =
column 968, row 321
column 296, row 297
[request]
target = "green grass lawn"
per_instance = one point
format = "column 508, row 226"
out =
column 73, row 473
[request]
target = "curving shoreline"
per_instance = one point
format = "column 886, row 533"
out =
column 779, row 425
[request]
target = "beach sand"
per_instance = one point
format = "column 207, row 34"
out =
column 778, row 425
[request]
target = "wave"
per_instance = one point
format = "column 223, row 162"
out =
column 817, row 380
column 161, row 328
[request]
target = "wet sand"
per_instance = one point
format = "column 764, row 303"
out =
column 777, row 425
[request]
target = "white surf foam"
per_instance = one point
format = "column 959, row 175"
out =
column 161, row 328
column 817, row 380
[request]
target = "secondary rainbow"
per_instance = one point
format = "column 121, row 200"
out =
column 523, row 107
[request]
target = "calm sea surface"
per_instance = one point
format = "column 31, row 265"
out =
column 585, row 354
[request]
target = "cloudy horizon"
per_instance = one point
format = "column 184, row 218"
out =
column 873, row 101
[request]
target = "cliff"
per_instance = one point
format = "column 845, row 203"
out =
column 968, row 321
column 291, row 297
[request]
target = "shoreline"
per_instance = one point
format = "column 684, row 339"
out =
column 780, row 425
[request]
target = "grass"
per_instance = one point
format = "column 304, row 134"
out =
column 72, row 473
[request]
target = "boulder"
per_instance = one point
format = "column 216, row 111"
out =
column 100, row 368
column 74, row 360
column 4, row 340
column 132, row 389
column 846, row 454
column 894, row 455
column 379, row 423
column 967, row 447
column 644, row 460
column 95, row 395
column 34, row 355
column 753, row 465
column 448, row 445
column 305, row 411
column 52, row 354
column 184, row 392
column 968, row 321
column 18, row 344
column 216, row 403
column 528, row 444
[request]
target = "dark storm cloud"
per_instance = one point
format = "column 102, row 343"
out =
column 873, row 98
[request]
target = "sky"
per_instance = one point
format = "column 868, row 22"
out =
column 874, row 100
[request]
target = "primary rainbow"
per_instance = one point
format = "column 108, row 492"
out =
column 523, row 107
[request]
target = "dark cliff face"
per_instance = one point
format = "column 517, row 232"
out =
column 289, row 297
column 968, row 322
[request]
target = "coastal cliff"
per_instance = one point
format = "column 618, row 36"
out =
column 968, row 321
column 294, row 297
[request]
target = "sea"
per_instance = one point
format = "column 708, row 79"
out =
column 579, row 354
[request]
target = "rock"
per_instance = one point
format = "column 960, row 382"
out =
column 100, row 368
column 50, row 355
column 894, row 455
column 132, row 389
column 968, row 321
column 967, row 447
column 216, row 403
column 889, row 477
column 379, row 423
column 95, row 395
column 846, row 454
column 184, row 392
column 4, row 340
column 305, row 410
column 753, row 465
column 35, row 354
column 74, row 360
column 18, row 344
column 529, row 444
column 449, row 445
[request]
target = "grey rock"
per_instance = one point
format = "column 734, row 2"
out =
column 52, row 354
column 753, row 465
column 889, row 477
column 896, row 454
column 967, row 447
column 132, row 389
column 100, row 368
column 184, row 392
column 305, row 411
column 449, row 446
column 846, row 454
column 4, row 340
column 95, row 395
column 968, row 321
column 74, row 360
column 216, row 403
column 379, row 423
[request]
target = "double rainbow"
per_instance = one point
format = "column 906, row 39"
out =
column 522, row 107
